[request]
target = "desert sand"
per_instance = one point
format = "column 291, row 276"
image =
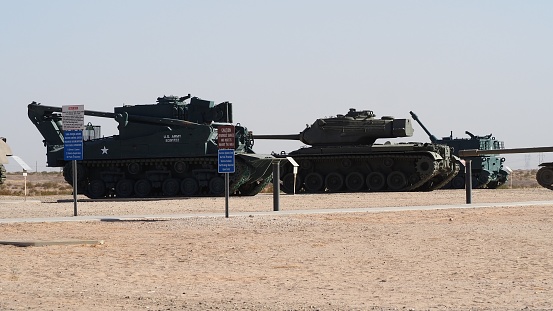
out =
column 492, row 258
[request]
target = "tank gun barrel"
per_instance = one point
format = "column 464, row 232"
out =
column 279, row 137
column 416, row 118
column 38, row 110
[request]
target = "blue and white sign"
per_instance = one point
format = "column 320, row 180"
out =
column 225, row 161
column 72, row 118
column 73, row 145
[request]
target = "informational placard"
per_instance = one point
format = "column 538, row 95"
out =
column 225, row 162
column 73, row 145
column 226, row 137
column 72, row 117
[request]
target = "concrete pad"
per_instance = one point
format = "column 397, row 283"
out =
column 52, row 242
column 18, row 201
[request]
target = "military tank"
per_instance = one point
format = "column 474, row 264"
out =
column 166, row 149
column 488, row 171
column 5, row 151
column 544, row 176
column 342, row 157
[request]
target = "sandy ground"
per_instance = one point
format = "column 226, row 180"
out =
column 498, row 258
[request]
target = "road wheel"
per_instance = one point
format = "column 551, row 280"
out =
column 313, row 182
column 334, row 182
column 96, row 189
column 142, row 188
column 189, row 186
column 376, row 181
column 124, row 188
column 396, row 181
column 354, row 182
column 217, row 185
column 288, row 183
column 170, row 187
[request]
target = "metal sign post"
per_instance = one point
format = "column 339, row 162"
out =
column 25, row 177
column 72, row 118
column 295, row 165
column 225, row 162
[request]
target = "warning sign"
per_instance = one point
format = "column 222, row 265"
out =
column 226, row 136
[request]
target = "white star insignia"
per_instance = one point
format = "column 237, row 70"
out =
column 104, row 150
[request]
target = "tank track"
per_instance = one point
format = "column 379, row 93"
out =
column 412, row 180
column 442, row 180
column 167, row 177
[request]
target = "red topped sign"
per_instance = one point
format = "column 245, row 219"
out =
column 226, row 136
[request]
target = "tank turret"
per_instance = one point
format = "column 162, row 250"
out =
column 488, row 171
column 343, row 157
column 353, row 128
column 164, row 149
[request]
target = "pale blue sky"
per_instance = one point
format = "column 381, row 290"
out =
column 482, row 66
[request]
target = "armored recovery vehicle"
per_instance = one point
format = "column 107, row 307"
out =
column 488, row 171
column 5, row 151
column 164, row 149
column 342, row 157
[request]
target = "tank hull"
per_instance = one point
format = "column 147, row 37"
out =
column 388, row 167
column 166, row 167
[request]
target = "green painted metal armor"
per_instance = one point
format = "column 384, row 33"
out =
column 488, row 171
column 342, row 157
column 164, row 149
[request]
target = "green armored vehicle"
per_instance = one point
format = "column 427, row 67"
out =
column 164, row 149
column 544, row 176
column 488, row 171
column 5, row 151
column 342, row 157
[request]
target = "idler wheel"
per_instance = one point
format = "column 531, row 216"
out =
column 355, row 181
column 189, row 186
column 96, row 189
column 376, row 181
column 124, row 188
column 313, row 182
column 170, row 187
column 396, row 181
column 68, row 172
column 142, row 188
column 217, row 185
column 334, row 182
column 288, row 183
column 544, row 176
